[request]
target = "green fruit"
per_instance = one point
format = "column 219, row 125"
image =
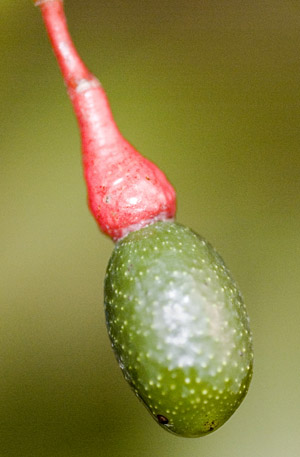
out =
column 179, row 328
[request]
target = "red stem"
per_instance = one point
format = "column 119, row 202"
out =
column 125, row 190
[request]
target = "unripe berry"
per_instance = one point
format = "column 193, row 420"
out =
column 179, row 328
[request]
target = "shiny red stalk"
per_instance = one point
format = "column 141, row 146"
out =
column 125, row 190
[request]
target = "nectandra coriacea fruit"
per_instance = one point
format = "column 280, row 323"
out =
column 175, row 317
column 179, row 327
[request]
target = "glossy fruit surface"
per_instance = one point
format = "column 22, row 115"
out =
column 179, row 328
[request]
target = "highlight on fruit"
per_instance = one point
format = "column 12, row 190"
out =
column 176, row 319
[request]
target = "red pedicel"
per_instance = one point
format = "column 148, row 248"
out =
column 125, row 190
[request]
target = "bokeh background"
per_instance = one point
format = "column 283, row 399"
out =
column 209, row 90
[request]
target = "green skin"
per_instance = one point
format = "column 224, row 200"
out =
column 179, row 328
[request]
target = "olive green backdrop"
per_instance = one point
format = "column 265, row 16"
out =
column 209, row 90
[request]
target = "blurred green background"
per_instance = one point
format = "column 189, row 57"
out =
column 209, row 90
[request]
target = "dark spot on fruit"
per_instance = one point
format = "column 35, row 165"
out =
column 147, row 177
column 107, row 199
column 210, row 425
column 162, row 419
